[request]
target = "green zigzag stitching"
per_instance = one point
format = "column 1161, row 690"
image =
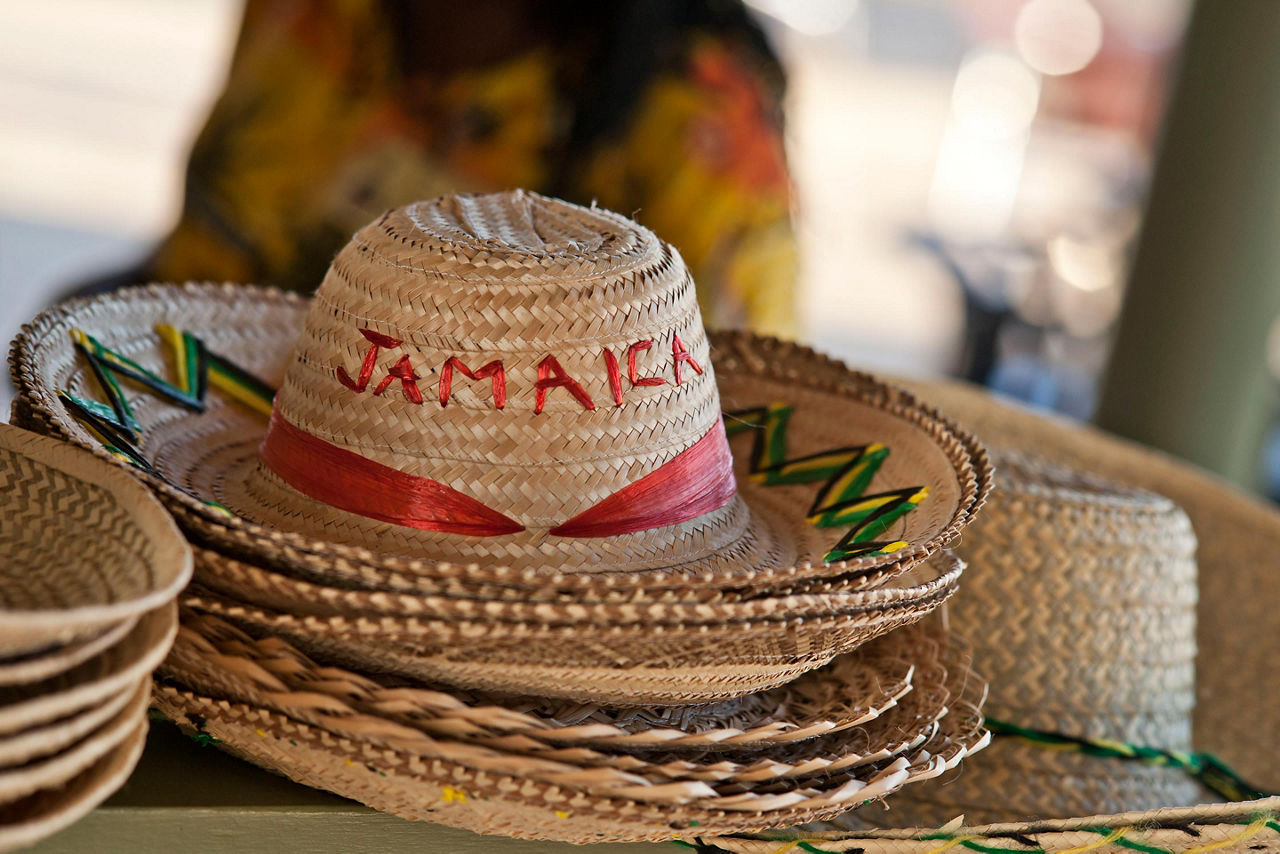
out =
column 114, row 423
column 846, row 472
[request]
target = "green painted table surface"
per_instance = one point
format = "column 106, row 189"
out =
column 191, row 799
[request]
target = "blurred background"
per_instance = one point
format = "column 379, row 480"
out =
column 969, row 185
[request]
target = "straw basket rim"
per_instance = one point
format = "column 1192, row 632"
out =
column 51, row 811
column 38, row 667
column 54, row 736
column 56, row 769
column 114, row 670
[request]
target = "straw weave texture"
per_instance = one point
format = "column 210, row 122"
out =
column 203, row 453
column 854, row 689
column 406, row 784
column 86, row 551
column 1237, row 629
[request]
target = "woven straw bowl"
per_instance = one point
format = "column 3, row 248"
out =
column 86, row 548
column 116, row 671
column 47, row 811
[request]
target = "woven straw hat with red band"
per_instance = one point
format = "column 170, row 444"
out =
column 511, row 381
column 511, row 392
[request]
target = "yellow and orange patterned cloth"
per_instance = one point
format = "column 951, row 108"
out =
column 335, row 111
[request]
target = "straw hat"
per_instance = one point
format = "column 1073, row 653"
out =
column 595, row 373
column 1097, row 614
column 509, row 392
column 87, row 550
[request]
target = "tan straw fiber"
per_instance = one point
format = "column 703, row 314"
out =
column 39, row 666
column 61, row 733
column 224, row 661
column 854, row 689
column 627, row 665
column 1082, row 600
column 515, row 278
column 42, row 814
column 660, row 776
column 55, row 770
column 1118, row 533
column 85, row 550
column 116, row 670
column 1237, row 623
column 274, row 590
column 487, row 801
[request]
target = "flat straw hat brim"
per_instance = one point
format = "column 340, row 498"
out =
column 854, row 689
column 255, row 328
column 255, row 585
column 679, row 777
column 493, row 802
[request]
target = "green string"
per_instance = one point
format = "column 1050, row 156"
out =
column 1208, row 769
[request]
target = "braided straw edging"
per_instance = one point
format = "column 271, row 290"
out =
column 810, row 706
column 1251, row 826
column 487, row 802
column 647, row 775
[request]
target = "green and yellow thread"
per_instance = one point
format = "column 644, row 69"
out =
column 846, row 474
column 1128, row 837
column 195, row 370
column 1205, row 767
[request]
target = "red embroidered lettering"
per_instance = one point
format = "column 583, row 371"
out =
column 402, row 371
column 551, row 375
column 493, row 369
column 615, row 377
column 680, row 354
column 633, row 373
column 377, row 341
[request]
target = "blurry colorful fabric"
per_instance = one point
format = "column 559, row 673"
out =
column 335, row 111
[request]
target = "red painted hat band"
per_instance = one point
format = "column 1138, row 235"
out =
column 697, row 481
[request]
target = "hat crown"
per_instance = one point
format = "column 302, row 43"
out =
column 534, row 355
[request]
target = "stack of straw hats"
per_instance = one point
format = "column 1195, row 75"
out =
column 91, row 566
column 517, row 546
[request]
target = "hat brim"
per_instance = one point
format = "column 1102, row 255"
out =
column 820, row 776
column 764, row 536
